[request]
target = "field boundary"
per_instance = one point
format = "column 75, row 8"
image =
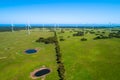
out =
column 61, row 69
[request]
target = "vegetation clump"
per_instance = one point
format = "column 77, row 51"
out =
column 91, row 32
column 83, row 39
column 116, row 35
column 62, row 39
column 61, row 69
column 101, row 37
column 79, row 33
column 68, row 36
column 46, row 40
column 62, row 31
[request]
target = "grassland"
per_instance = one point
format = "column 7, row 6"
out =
column 15, row 64
column 91, row 59
column 83, row 60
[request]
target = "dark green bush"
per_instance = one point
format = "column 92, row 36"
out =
column 79, row 33
column 101, row 37
column 83, row 39
column 62, row 39
column 47, row 40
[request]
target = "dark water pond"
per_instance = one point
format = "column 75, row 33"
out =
column 42, row 72
column 30, row 51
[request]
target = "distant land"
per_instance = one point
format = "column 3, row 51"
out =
column 62, row 25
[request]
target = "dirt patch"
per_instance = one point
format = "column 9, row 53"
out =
column 3, row 57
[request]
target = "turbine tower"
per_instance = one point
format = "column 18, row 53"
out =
column 43, row 27
column 110, row 27
column 59, row 27
column 12, row 27
column 84, row 31
column 76, row 26
column 93, row 27
column 54, row 27
column 28, row 28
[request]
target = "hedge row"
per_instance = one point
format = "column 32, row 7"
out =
column 61, row 69
column 54, row 40
column 47, row 40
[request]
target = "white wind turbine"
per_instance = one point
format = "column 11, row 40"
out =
column 76, row 26
column 43, row 27
column 110, row 27
column 54, row 27
column 93, row 27
column 59, row 27
column 28, row 28
column 84, row 30
column 12, row 27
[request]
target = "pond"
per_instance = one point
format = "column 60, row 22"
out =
column 30, row 51
column 42, row 72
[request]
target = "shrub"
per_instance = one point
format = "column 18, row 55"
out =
column 41, row 39
column 79, row 34
column 116, row 35
column 62, row 31
column 68, row 37
column 61, row 71
column 101, row 37
column 62, row 39
column 83, row 39
column 47, row 40
column 91, row 32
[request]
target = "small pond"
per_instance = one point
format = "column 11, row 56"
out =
column 30, row 51
column 42, row 72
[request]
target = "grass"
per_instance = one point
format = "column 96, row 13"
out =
column 17, row 65
column 83, row 60
column 91, row 59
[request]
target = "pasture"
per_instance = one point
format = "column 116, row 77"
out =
column 91, row 59
column 15, row 64
column 83, row 60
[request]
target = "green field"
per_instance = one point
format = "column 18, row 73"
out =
column 83, row 60
column 91, row 59
column 16, row 64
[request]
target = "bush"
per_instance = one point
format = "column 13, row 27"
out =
column 62, row 39
column 79, row 34
column 116, row 35
column 61, row 71
column 47, row 40
column 83, row 39
column 103, row 32
column 41, row 39
column 92, row 32
column 62, row 31
column 68, row 37
column 101, row 37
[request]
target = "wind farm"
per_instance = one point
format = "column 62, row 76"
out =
column 86, row 56
column 59, row 40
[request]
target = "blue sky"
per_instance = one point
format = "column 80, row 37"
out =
column 60, row 11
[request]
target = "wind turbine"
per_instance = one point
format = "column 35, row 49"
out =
column 110, row 27
column 93, row 27
column 76, row 26
column 84, row 30
column 59, row 27
column 43, row 27
column 28, row 28
column 54, row 27
column 12, row 27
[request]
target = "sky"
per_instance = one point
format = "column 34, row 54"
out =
column 60, row 11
